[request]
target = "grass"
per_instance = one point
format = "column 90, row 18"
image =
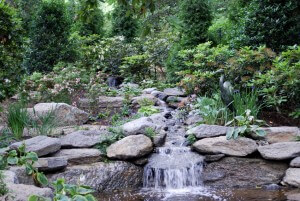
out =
column 45, row 124
column 246, row 100
column 150, row 132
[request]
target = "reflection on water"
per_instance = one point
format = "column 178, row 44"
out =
column 204, row 195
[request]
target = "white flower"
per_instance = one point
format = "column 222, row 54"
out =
column 82, row 178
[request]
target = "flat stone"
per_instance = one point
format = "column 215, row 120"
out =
column 51, row 164
column 138, row 126
column 280, row 151
column 83, row 138
column 193, row 119
column 148, row 90
column 220, row 145
column 295, row 162
column 80, row 156
column 103, row 176
column 281, row 134
column 236, row 172
column 139, row 100
column 174, row 92
column 160, row 95
column 141, row 161
column 10, row 177
column 160, row 138
column 66, row 115
column 214, row 157
column 110, row 102
column 207, row 131
column 293, row 196
column 292, row 177
column 134, row 146
column 41, row 145
column 174, row 99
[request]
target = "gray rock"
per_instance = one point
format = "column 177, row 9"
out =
column 65, row 130
column 66, row 115
column 160, row 95
column 22, row 176
column 51, row 164
column 193, row 119
column 138, row 126
column 134, row 146
column 214, row 157
column 160, row 138
column 110, row 102
column 145, row 98
column 83, row 138
column 280, row 151
column 293, row 195
column 239, row 147
column 21, row 192
column 206, row 131
column 174, row 92
column 174, row 99
column 129, row 85
column 80, row 156
column 295, row 162
column 158, row 119
column 235, row 172
column 41, row 145
column 148, row 90
column 10, row 177
column 281, row 134
column 103, row 176
column 292, row 177
column 140, row 161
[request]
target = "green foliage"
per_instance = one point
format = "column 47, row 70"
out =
column 116, row 134
column 246, row 100
column 5, row 138
column 145, row 102
column 11, row 49
column 44, row 124
column 191, row 139
column 220, row 32
column 17, row 119
column 148, row 110
column 244, row 126
column 150, row 132
column 212, row 110
column 124, row 23
column 273, row 23
column 49, row 37
column 196, row 18
column 3, row 187
column 295, row 114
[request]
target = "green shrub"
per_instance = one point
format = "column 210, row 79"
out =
column 246, row 100
column 148, row 110
column 11, row 49
column 150, row 132
column 191, row 139
column 48, row 37
column 220, row 32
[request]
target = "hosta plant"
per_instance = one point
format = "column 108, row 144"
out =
column 244, row 126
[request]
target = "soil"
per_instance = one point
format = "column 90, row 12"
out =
column 274, row 118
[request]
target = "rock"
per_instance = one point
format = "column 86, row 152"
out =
column 281, row 134
column 174, row 92
column 293, row 195
column 292, row 177
column 160, row 138
column 51, row 164
column 80, row 156
column 41, row 145
column 9, row 177
column 21, row 192
column 71, row 129
column 66, row 115
column 83, row 139
column 239, row 147
column 206, row 131
column 235, row 172
column 174, row 99
column 148, row 90
column 214, row 157
column 295, row 162
column 160, row 95
column 147, row 99
column 103, row 176
column 138, row 126
column 129, row 85
column 141, row 161
column 158, row 119
column 193, row 118
column 134, row 146
column 110, row 102
column 280, row 151
column 22, row 176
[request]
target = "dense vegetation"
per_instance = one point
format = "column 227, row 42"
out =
column 60, row 48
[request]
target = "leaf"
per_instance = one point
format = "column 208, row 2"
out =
column 240, row 118
column 229, row 133
column 242, row 129
column 33, row 198
column 236, row 133
column 12, row 160
column 90, row 197
column 229, row 123
column 83, row 190
column 42, row 179
column 59, row 185
column 260, row 132
column 61, row 197
column 32, row 156
column 79, row 198
column 29, row 169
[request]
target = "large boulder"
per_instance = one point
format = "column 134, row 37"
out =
column 207, row 131
column 281, row 134
column 292, row 177
column 80, row 156
column 174, row 92
column 138, row 126
column 280, row 151
column 41, row 145
column 103, row 176
column 220, row 145
column 66, row 115
column 134, row 146
column 21, row 192
column 83, row 138
column 235, row 172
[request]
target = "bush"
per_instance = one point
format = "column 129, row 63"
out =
column 124, row 23
column 10, row 48
column 196, row 18
column 48, row 37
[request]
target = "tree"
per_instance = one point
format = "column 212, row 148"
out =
column 10, row 48
column 123, row 23
column 274, row 23
column 90, row 18
column 48, row 37
column 196, row 18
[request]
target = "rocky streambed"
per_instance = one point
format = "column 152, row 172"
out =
column 165, row 166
